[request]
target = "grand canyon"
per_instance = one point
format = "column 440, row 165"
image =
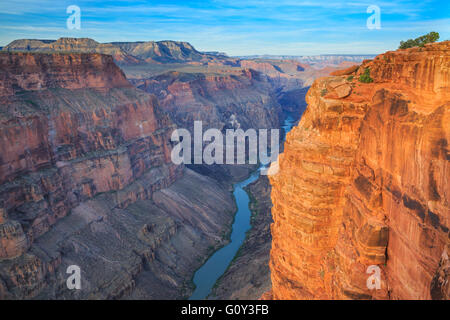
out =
column 87, row 179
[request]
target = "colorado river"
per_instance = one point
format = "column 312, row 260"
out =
column 205, row 277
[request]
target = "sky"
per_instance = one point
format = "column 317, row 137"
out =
column 237, row 27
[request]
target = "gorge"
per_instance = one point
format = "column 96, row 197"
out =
column 207, row 277
column 87, row 179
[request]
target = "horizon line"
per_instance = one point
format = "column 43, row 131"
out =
column 206, row 51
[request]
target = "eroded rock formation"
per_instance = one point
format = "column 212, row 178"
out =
column 234, row 99
column 124, row 53
column 73, row 45
column 86, row 179
column 364, row 180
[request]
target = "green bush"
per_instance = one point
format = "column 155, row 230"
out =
column 323, row 92
column 365, row 77
column 420, row 41
column 350, row 78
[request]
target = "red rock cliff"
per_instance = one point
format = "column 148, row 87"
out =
column 364, row 180
column 233, row 99
column 86, row 179
column 25, row 71
column 71, row 127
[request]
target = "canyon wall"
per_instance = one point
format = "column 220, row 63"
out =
column 234, row 99
column 364, row 181
column 72, row 45
column 86, row 179
column 73, row 127
column 291, row 79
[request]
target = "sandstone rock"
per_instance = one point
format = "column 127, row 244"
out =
column 216, row 100
column 345, row 72
column 338, row 88
column 343, row 91
column 34, row 72
column 411, row 68
column 163, row 51
column 440, row 286
column 74, row 45
column 13, row 241
column 86, row 179
column 124, row 53
column 364, row 181
column 77, row 132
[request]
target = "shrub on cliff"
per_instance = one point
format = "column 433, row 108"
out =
column 420, row 41
column 365, row 77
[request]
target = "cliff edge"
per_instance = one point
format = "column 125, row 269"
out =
column 364, row 181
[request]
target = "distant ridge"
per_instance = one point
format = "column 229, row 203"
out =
column 297, row 57
column 314, row 60
column 73, row 45
column 124, row 53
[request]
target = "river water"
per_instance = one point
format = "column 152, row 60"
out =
column 205, row 277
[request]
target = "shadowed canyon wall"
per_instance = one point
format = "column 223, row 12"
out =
column 364, row 180
column 86, row 179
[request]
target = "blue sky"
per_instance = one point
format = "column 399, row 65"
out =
column 287, row 27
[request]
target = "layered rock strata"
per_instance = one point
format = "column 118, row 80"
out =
column 239, row 99
column 86, row 179
column 363, row 184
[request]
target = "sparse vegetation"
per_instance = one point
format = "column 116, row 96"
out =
column 365, row 77
column 350, row 78
column 322, row 274
column 420, row 41
column 323, row 92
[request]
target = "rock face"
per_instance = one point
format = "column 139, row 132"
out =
column 73, row 45
column 163, row 51
column 86, row 179
column 169, row 52
column 287, row 79
column 364, row 181
column 31, row 72
column 347, row 71
column 124, row 53
column 75, row 137
column 233, row 99
column 13, row 241
column 289, row 74
column 290, row 79
column 230, row 100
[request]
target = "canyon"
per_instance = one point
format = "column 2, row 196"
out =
column 364, row 181
column 86, row 179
